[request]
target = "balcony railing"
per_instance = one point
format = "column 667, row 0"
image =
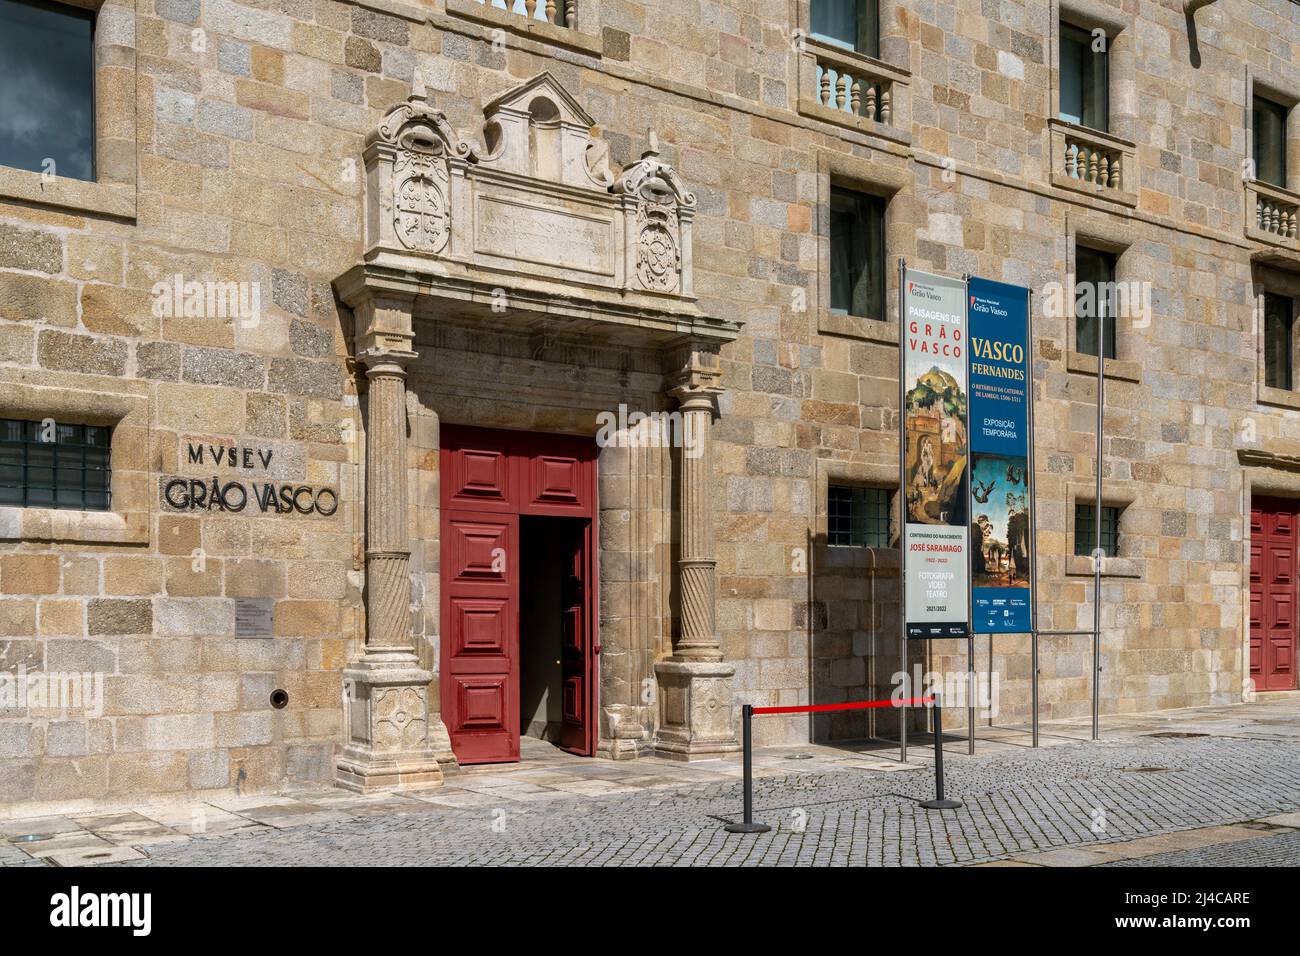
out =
column 1091, row 161
column 1093, row 164
column 560, row 14
column 1272, row 215
column 1275, row 216
column 859, row 95
column 852, row 89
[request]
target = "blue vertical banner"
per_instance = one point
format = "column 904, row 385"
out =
column 1000, row 494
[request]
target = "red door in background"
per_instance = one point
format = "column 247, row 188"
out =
column 1273, row 591
column 489, row 478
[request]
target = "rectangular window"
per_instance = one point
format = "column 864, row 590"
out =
column 852, row 24
column 1268, row 119
column 47, row 62
column 1085, row 79
column 1094, row 300
column 857, row 517
column 50, row 465
column 1279, row 317
column 857, row 254
column 1084, row 529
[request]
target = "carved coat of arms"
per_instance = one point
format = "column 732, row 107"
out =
column 657, row 256
column 421, row 216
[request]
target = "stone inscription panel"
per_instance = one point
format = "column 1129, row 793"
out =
column 543, row 235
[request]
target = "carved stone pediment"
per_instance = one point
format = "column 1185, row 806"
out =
column 535, row 214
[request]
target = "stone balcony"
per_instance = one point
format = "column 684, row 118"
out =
column 1271, row 215
column 1090, row 161
column 854, row 90
column 559, row 22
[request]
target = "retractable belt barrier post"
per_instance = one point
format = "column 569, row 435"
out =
column 747, row 712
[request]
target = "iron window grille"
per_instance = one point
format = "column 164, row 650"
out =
column 857, row 517
column 52, row 465
column 1084, row 522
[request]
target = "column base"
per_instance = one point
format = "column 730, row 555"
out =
column 390, row 744
column 695, row 719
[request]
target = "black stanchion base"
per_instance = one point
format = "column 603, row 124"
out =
column 941, row 804
column 747, row 828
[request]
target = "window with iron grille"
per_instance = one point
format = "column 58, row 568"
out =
column 1084, row 527
column 51, row 465
column 857, row 517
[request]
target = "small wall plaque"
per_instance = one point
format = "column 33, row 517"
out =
column 253, row 617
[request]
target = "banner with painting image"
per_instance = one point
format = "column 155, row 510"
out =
column 935, row 463
column 1001, row 497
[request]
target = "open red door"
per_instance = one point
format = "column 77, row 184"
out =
column 480, row 610
column 1273, row 587
column 575, row 656
column 489, row 479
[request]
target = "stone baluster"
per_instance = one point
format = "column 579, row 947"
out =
column 886, row 106
column 871, row 101
column 570, row 13
column 857, row 97
column 824, row 95
column 550, row 11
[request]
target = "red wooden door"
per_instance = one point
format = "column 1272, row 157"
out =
column 490, row 477
column 1273, row 593
column 575, row 649
column 480, row 640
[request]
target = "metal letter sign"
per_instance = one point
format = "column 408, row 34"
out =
column 934, row 455
column 1001, row 498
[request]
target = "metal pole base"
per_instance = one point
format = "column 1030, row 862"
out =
column 747, row 828
column 937, row 805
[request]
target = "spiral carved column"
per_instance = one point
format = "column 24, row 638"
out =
column 694, row 684
column 387, row 691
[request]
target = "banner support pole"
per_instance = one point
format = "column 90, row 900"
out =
column 989, row 685
column 970, row 690
column 902, row 515
column 1033, row 529
column 1096, row 514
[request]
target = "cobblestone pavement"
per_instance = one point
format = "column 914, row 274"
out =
column 1017, row 803
column 1280, row 850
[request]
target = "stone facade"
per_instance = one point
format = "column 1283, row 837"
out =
column 240, row 145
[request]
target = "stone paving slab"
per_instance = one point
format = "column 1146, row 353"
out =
column 1278, row 849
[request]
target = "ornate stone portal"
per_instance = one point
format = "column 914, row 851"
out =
column 530, row 230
